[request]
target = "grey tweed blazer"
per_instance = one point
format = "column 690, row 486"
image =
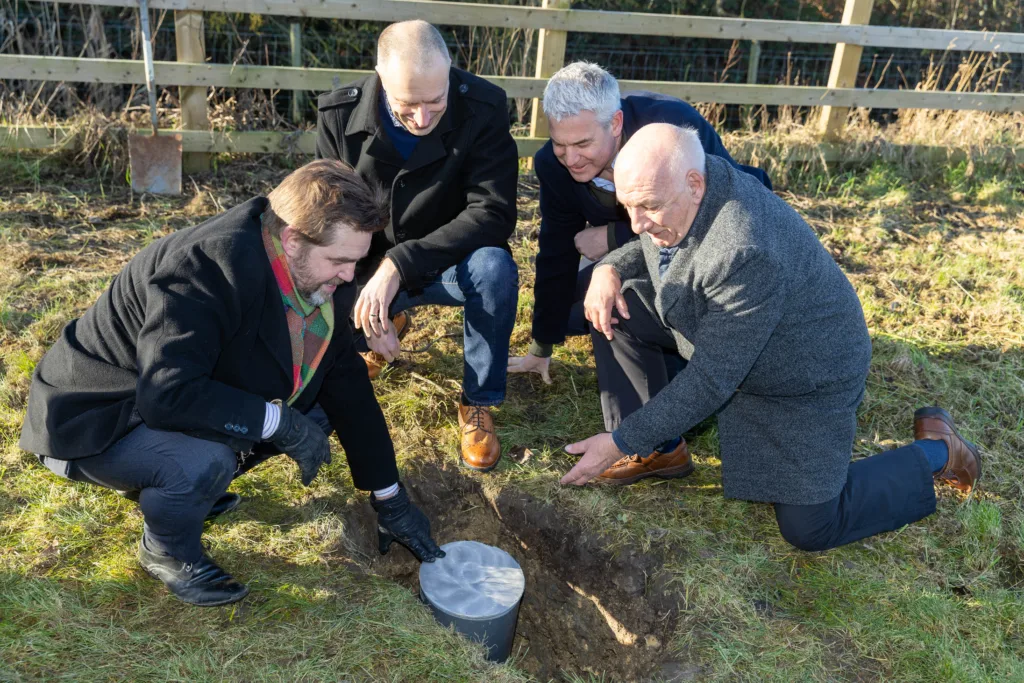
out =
column 775, row 340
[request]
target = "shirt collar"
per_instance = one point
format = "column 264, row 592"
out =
column 604, row 184
column 387, row 108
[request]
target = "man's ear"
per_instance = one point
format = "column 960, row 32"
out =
column 616, row 123
column 696, row 184
column 291, row 241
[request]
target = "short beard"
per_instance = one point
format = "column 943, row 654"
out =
column 317, row 298
column 300, row 276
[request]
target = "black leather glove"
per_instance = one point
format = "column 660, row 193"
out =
column 302, row 440
column 399, row 520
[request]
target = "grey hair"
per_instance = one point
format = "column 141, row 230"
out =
column 582, row 86
column 689, row 152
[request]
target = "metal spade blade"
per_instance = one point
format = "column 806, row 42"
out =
column 155, row 160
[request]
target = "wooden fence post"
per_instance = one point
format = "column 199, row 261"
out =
column 845, row 65
column 191, row 47
column 550, row 58
column 298, row 96
column 755, row 62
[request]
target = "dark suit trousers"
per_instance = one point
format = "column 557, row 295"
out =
column 178, row 478
column 882, row 492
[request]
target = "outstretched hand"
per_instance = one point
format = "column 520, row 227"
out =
column 531, row 363
column 399, row 520
column 599, row 452
column 370, row 313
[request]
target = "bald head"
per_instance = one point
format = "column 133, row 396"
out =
column 660, row 180
column 413, row 64
column 662, row 150
column 414, row 44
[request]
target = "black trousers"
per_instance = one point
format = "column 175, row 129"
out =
column 578, row 325
column 178, row 479
column 882, row 493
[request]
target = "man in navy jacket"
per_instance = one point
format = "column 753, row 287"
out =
column 580, row 215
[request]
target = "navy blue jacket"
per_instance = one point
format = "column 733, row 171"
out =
column 567, row 206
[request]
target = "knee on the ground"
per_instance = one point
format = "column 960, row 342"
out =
column 804, row 534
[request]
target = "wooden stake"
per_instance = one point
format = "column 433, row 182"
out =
column 191, row 47
column 298, row 96
column 550, row 58
column 845, row 65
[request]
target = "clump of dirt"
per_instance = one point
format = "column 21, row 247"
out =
column 586, row 609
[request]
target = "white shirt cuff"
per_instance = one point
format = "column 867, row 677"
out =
column 271, row 419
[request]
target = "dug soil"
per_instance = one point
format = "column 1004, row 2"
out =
column 586, row 610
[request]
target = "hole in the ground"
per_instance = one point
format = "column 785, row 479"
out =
column 585, row 610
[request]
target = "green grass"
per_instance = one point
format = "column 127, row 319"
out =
column 937, row 257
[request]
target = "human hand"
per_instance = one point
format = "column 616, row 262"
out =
column 592, row 242
column 302, row 440
column 370, row 314
column 604, row 295
column 599, row 453
column 386, row 345
column 399, row 520
column 531, row 363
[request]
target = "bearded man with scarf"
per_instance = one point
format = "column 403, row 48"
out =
column 216, row 348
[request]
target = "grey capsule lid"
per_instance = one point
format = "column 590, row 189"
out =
column 473, row 581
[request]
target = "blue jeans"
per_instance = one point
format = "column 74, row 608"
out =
column 178, row 477
column 486, row 285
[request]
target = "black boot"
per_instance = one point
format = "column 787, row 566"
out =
column 226, row 503
column 200, row 583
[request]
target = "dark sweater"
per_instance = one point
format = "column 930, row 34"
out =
column 566, row 206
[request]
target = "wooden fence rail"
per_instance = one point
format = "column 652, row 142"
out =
column 192, row 74
column 596, row 21
column 123, row 71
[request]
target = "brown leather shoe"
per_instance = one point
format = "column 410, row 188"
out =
column 632, row 468
column 963, row 469
column 480, row 447
column 376, row 362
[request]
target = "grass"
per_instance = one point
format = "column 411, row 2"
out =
column 935, row 253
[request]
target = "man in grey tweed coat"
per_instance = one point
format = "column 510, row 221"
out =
column 730, row 278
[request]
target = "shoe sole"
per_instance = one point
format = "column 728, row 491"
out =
column 479, row 469
column 218, row 603
column 944, row 415
column 677, row 472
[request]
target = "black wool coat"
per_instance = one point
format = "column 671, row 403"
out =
column 191, row 337
column 454, row 195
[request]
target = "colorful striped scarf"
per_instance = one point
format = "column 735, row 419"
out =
column 309, row 327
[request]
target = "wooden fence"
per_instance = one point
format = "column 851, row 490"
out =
column 553, row 20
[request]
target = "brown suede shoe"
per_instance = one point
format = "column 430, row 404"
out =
column 632, row 468
column 480, row 447
column 376, row 362
column 963, row 469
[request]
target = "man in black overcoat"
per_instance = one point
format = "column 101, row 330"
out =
column 438, row 138
column 214, row 349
